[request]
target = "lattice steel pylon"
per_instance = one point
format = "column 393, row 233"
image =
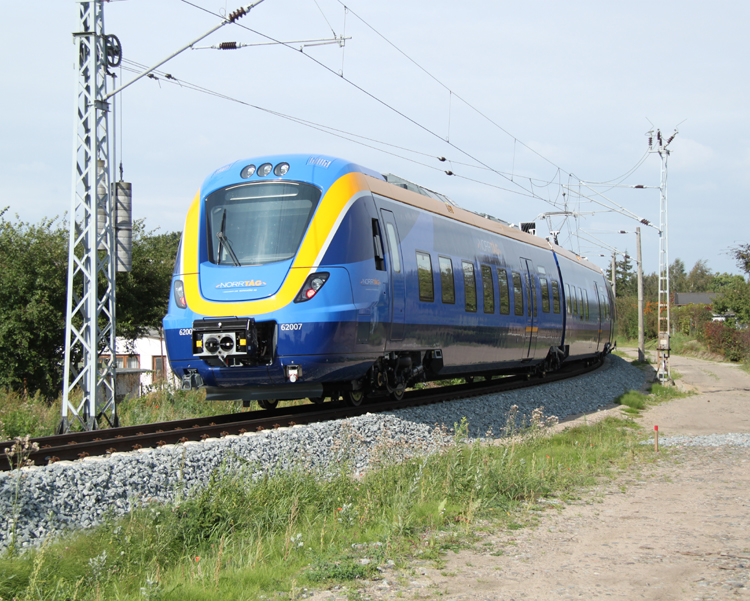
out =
column 663, row 348
column 90, row 323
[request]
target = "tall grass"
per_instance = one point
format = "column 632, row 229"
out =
column 33, row 416
column 247, row 535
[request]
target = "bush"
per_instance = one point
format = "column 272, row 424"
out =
column 725, row 339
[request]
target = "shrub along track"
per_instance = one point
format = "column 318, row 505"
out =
column 78, row 445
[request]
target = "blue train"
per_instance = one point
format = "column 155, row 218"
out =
column 310, row 276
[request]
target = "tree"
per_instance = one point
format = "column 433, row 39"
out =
column 741, row 254
column 33, row 297
column 700, row 278
column 677, row 276
column 143, row 293
column 626, row 280
column 724, row 281
column 735, row 297
column 33, row 263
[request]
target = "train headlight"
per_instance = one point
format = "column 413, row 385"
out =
column 281, row 169
column 179, row 294
column 211, row 345
column 264, row 169
column 227, row 344
column 313, row 283
column 247, row 172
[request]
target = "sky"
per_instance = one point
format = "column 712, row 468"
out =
column 524, row 100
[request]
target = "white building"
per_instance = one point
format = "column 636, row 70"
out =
column 142, row 365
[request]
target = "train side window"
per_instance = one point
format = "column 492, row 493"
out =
column 377, row 242
column 568, row 300
column 574, row 298
column 393, row 246
column 424, row 275
column 555, row 296
column 502, row 282
column 517, row 293
column 545, row 294
column 488, row 289
column 446, row 280
column 579, row 298
column 586, row 303
column 470, row 287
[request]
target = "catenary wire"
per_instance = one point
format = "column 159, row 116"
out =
column 385, row 104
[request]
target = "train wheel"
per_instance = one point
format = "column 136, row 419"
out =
column 398, row 393
column 318, row 400
column 354, row 397
column 270, row 404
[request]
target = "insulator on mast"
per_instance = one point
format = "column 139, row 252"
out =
column 101, row 212
column 123, row 194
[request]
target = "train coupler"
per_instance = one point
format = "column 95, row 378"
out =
column 192, row 379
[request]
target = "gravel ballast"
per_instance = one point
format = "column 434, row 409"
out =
column 74, row 495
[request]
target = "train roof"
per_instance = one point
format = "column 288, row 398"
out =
column 391, row 187
column 324, row 170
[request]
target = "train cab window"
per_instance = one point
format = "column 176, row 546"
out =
column 555, row 296
column 448, row 288
column 488, row 289
column 424, row 274
column 393, row 246
column 258, row 223
column 586, row 304
column 545, row 294
column 377, row 242
column 470, row 287
column 517, row 293
column 502, row 282
column 568, row 299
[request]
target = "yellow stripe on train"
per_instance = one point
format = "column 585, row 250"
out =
column 317, row 237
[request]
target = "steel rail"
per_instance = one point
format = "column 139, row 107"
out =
column 79, row 445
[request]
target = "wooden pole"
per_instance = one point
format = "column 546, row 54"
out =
column 641, row 333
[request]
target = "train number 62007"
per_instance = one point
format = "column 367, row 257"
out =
column 290, row 327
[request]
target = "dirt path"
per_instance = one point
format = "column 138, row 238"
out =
column 680, row 530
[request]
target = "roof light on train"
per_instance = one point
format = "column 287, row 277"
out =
column 281, row 169
column 264, row 169
column 247, row 172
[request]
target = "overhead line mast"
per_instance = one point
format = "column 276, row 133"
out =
column 90, row 327
column 663, row 316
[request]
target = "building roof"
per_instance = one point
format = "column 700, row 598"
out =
column 694, row 298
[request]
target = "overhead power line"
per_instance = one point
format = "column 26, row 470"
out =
column 529, row 192
column 129, row 65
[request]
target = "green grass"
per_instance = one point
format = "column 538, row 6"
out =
column 21, row 416
column 244, row 537
column 634, row 402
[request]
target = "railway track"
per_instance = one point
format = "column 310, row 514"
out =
column 79, row 445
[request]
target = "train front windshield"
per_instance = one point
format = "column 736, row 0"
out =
column 258, row 223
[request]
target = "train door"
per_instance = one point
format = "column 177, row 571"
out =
column 396, row 270
column 532, row 328
column 599, row 319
